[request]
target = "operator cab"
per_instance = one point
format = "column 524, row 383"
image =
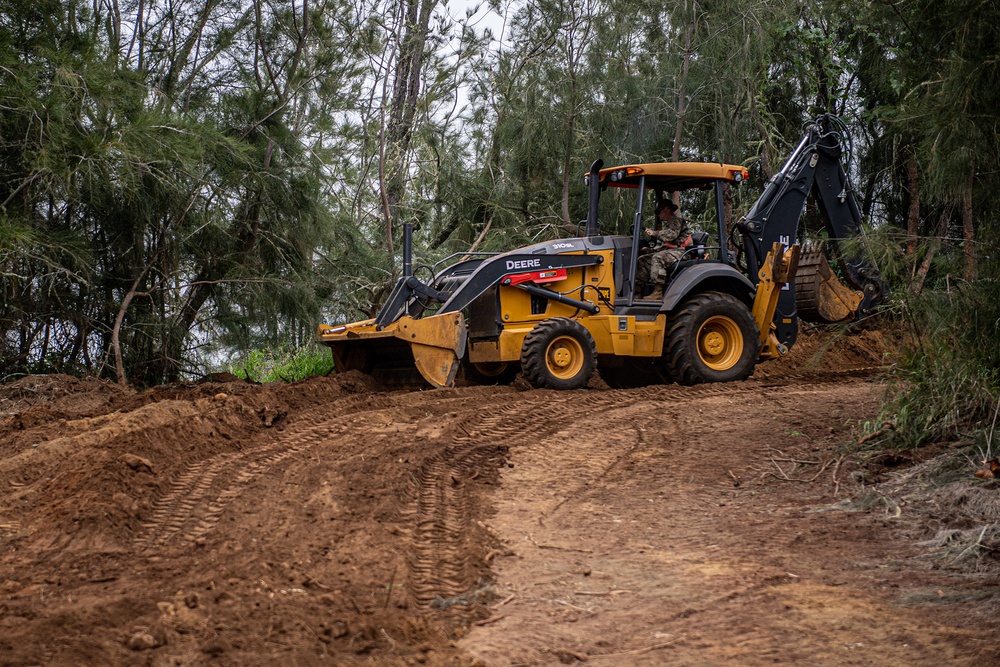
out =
column 701, row 188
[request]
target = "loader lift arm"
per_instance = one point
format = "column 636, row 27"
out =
column 815, row 167
column 486, row 274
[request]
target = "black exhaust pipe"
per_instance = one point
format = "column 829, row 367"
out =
column 407, row 259
column 407, row 249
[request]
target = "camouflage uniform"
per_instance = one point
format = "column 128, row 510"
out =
column 654, row 267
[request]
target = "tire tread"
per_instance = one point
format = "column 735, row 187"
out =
column 533, row 364
column 680, row 357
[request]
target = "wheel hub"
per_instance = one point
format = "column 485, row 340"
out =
column 720, row 343
column 714, row 343
column 561, row 357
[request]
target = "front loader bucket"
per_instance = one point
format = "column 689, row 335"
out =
column 432, row 346
column 820, row 297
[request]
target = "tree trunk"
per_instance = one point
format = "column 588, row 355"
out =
column 682, row 93
column 925, row 266
column 577, row 35
column 968, row 228
column 117, row 328
column 913, row 219
column 727, row 208
column 567, row 165
column 767, row 149
column 403, row 107
column 176, row 334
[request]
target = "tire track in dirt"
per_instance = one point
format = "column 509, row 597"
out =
column 440, row 574
column 436, row 510
column 199, row 495
column 439, row 518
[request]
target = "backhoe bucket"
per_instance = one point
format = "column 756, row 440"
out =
column 820, row 297
column 431, row 346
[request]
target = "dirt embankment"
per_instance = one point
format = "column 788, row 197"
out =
column 334, row 522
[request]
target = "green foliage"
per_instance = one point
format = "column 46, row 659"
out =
column 226, row 167
column 169, row 174
column 931, row 81
column 285, row 364
column 947, row 384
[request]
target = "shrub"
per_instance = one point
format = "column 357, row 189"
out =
column 284, row 364
column 949, row 377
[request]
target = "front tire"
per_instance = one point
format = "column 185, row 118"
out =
column 712, row 337
column 559, row 353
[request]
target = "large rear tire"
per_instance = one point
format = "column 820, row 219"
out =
column 559, row 353
column 712, row 337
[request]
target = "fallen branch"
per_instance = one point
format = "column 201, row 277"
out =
column 505, row 600
column 786, row 478
column 654, row 647
column 492, row 619
column 310, row 582
column 573, row 606
column 882, row 431
column 552, row 546
column 836, row 482
column 972, row 547
column 808, row 463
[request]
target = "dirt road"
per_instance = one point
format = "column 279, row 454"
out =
column 334, row 522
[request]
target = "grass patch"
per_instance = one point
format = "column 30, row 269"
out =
column 284, row 364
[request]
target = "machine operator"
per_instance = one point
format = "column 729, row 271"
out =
column 671, row 236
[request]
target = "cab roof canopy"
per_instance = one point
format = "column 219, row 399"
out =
column 672, row 176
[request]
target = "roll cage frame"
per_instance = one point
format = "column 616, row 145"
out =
column 660, row 178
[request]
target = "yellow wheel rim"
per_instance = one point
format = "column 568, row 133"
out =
column 720, row 343
column 564, row 357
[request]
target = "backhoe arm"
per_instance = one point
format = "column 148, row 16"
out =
column 814, row 167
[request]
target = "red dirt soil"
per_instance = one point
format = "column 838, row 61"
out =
column 332, row 521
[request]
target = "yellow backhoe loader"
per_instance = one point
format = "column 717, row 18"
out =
column 558, row 310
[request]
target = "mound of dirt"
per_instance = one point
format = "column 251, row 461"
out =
column 824, row 349
column 88, row 459
column 37, row 399
column 334, row 521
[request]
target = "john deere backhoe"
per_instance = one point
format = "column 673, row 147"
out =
column 557, row 310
